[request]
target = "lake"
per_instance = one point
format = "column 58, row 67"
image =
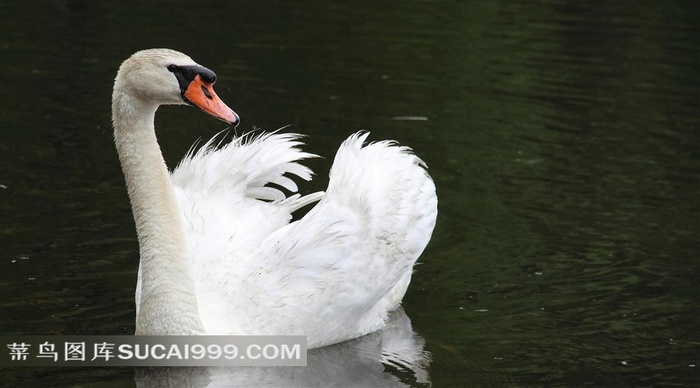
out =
column 563, row 138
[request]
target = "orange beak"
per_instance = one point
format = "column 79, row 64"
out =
column 201, row 94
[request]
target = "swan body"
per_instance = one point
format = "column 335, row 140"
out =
column 219, row 254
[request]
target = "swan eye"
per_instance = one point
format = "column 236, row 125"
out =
column 173, row 68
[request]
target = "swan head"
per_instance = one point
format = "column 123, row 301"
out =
column 169, row 77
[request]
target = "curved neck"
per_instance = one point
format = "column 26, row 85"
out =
column 168, row 303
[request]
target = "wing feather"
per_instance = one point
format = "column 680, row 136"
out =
column 346, row 256
column 332, row 275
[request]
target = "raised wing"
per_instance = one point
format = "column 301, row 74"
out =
column 333, row 274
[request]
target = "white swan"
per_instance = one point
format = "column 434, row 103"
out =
column 218, row 254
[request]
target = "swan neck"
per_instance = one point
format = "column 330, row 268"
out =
column 168, row 304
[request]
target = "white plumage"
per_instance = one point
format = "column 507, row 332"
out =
column 332, row 275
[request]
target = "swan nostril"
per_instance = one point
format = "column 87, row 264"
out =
column 206, row 93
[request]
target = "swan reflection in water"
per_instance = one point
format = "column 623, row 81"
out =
column 361, row 362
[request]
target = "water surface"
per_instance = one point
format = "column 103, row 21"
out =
column 563, row 139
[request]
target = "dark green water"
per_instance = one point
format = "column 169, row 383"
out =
column 563, row 138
